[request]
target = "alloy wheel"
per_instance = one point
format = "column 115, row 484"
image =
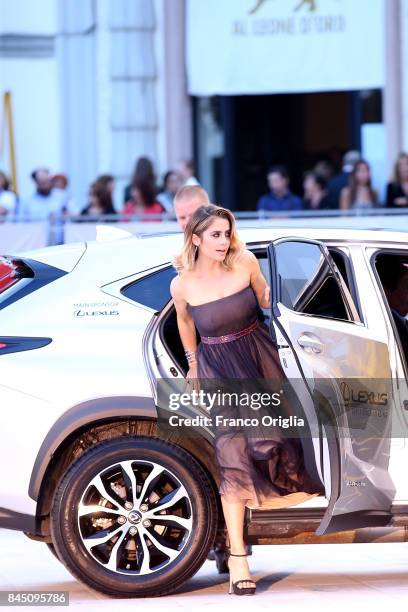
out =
column 135, row 517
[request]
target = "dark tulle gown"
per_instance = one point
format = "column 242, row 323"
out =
column 252, row 468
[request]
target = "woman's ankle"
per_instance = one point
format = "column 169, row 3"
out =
column 238, row 552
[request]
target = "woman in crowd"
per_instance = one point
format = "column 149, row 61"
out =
column 315, row 192
column 8, row 199
column 171, row 185
column 99, row 202
column 397, row 189
column 143, row 200
column 107, row 181
column 217, row 291
column 142, row 173
column 359, row 194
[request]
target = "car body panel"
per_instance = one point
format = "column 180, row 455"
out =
column 64, row 256
column 73, row 368
column 322, row 346
column 76, row 418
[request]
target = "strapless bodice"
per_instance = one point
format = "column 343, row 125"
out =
column 226, row 315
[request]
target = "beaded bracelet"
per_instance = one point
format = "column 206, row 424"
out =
column 191, row 356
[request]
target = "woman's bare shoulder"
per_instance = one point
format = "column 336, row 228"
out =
column 176, row 287
column 179, row 284
column 247, row 259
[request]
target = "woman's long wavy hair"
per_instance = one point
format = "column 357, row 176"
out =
column 201, row 220
column 353, row 182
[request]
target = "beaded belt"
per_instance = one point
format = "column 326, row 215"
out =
column 229, row 337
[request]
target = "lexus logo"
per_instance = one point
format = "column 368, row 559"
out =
column 134, row 517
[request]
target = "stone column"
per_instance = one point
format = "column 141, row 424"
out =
column 75, row 52
column 132, row 75
column 393, row 77
column 403, row 73
column 175, row 109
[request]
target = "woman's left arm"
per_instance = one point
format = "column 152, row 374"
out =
column 257, row 280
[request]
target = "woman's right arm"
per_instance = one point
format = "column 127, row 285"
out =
column 185, row 325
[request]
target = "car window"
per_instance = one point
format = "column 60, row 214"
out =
column 392, row 270
column 152, row 290
column 306, row 282
column 345, row 269
column 19, row 278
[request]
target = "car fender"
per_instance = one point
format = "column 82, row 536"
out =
column 77, row 417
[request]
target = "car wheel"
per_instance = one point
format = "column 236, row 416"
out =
column 134, row 517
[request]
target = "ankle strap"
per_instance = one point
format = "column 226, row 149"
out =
column 232, row 555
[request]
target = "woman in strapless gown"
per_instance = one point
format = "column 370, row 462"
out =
column 255, row 470
column 264, row 471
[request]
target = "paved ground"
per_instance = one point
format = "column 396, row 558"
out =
column 342, row 577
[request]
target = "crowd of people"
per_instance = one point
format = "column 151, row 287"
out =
column 51, row 196
column 351, row 188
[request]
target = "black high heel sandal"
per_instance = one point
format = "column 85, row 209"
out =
column 234, row 588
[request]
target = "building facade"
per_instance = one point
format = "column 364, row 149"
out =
column 97, row 84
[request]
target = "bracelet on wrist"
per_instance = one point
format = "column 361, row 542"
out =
column 190, row 356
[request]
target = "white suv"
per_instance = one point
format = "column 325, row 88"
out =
column 88, row 330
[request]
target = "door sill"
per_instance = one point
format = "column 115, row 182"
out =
column 314, row 509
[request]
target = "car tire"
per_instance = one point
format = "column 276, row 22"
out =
column 124, row 565
column 51, row 547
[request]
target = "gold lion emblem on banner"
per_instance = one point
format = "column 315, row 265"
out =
column 308, row 3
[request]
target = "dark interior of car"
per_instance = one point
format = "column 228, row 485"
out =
column 392, row 270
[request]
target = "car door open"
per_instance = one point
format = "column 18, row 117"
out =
column 343, row 373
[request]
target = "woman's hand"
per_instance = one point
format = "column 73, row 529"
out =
column 192, row 372
column 193, row 377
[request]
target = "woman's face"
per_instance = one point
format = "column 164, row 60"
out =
column 309, row 186
column 362, row 174
column 402, row 169
column 215, row 241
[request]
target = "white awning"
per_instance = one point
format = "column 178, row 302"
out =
column 284, row 46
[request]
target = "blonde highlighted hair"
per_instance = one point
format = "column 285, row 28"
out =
column 201, row 220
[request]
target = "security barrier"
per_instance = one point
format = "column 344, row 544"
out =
column 17, row 236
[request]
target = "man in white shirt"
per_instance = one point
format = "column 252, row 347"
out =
column 185, row 169
column 45, row 201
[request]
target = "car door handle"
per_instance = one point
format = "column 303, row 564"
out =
column 310, row 343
